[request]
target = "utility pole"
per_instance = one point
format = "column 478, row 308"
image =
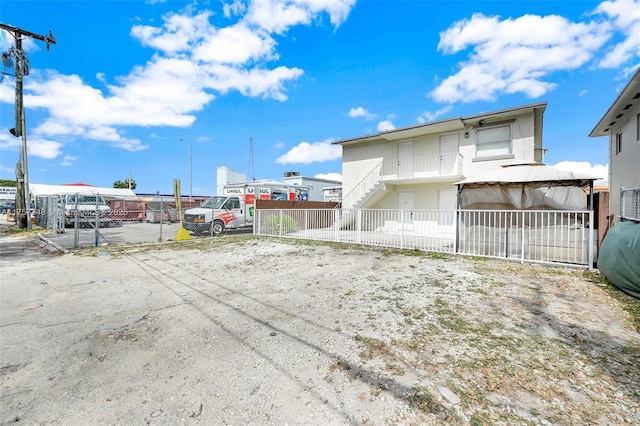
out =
column 21, row 68
column 253, row 176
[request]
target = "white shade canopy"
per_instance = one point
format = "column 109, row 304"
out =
column 528, row 173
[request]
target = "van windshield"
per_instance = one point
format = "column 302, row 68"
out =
column 213, row 202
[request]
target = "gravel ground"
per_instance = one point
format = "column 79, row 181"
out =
column 242, row 330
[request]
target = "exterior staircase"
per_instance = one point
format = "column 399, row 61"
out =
column 369, row 190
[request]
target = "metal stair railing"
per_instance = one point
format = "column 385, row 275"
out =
column 361, row 189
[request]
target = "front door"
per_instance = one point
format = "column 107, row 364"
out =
column 405, row 204
column 405, row 159
column 448, row 155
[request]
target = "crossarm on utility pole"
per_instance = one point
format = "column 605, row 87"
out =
column 17, row 32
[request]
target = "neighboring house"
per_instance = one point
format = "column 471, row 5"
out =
column 621, row 123
column 415, row 167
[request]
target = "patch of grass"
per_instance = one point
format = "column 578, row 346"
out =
column 478, row 290
column 423, row 400
column 25, row 231
column 439, row 256
column 629, row 303
column 479, row 258
column 395, row 369
column 373, row 347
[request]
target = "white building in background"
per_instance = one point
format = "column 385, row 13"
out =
column 226, row 176
column 316, row 186
column 621, row 124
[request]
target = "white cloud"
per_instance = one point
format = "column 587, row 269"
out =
column 430, row 116
column 68, row 160
column 329, row 176
column 234, row 9
column 278, row 16
column 596, row 170
column 43, row 148
column 236, row 44
column 315, row 152
column 36, row 146
column 194, row 61
column 514, row 55
column 385, row 125
column 360, row 112
column 625, row 16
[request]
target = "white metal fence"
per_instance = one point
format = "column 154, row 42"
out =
column 561, row 237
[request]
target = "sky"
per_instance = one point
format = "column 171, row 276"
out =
column 163, row 90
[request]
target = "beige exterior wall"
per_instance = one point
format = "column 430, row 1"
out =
column 624, row 167
column 358, row 160
column 425, row 196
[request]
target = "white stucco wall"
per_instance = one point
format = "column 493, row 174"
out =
column 358, row 160
column 624, row 169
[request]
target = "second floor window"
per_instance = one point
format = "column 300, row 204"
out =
column 618, row 143
column 493, row 141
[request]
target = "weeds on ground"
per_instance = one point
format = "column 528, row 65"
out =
column 629, row 303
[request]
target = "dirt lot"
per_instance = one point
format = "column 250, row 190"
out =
column 240, row 330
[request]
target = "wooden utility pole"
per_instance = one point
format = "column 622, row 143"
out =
column 21, row 68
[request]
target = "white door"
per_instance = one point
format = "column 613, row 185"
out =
column 447, row 203
column 448, row 155
column 405, row 204
column 405, row 159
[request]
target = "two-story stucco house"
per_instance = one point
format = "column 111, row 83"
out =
column 621, row 123
column 415, row 167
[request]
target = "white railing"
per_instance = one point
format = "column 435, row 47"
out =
column 362, row 188
column 559, row 237
column 423, row 166
column 533, row 236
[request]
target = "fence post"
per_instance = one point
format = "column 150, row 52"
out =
column 97, row 224
column 280, row 227
column 522, row 239
column 401, row 229
column 590, row 257
column 507, row 223
column 306, row 222
column 336, row 224
column 456, row 243
column 76, row 231
column 161, row 215
column 359, row 226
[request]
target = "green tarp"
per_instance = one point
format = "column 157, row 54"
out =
column 619, row 257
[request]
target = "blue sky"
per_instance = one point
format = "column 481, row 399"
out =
column 133, row 86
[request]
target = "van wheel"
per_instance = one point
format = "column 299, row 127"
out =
column 217, row 227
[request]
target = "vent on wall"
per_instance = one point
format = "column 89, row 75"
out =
column 290, row 174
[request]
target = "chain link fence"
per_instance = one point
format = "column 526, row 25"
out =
column 630, row 203
column 79, row 220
